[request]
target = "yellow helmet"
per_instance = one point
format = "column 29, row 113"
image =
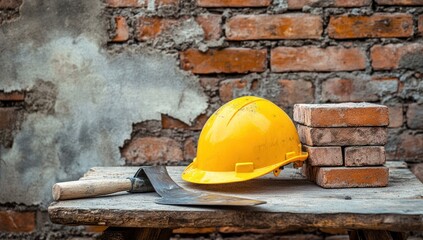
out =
column 246, row 138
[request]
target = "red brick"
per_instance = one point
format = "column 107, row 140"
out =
column 396, row 116
column 13, row 221
column 379, row 25
column 10, row 4
column 399, row 2
column 290, row 59
column 152, row 150
column 286, row 26
column 299, row 4
column 420, row 23
column 348, row 136
column 12, row 96
column 350, row 177
column 393, row 56
column 324, row 156
column 228, row 88
column 122, row 30
column 228, row 60
column 172, row 123
column 364, row 156
column 415, row 116
column 190, row 150
column 341, row 114
column 151, row 27
column 140, row 3
column 233, row 3
column 295, row 91
column 407, row 146
column 126, row 3
column 211, row 24
column 8, row 118
column 357, row 90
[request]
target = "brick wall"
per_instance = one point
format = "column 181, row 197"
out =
column 289, row 52
column 308, row 51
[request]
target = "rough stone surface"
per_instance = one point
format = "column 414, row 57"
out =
column 364, row 156
column 13, row 221
column 358, row 89
column 287, row 59
column 420, row 24
column 229, row 60
column 415, row 116
column 324, row 156
column 376, row 26
column 394, row 56
column 344, row 136
column 92, row 96
column 341, row 114
column 286, row 26
column 350, row 177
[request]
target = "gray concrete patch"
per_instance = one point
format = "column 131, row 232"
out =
column 84, row 99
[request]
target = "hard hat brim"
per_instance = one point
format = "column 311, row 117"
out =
column 194, row 175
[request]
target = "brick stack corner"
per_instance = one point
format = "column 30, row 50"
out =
column 345, row 142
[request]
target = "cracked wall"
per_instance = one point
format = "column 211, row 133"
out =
column 82, row 99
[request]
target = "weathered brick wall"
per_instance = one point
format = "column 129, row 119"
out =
column 288, row 51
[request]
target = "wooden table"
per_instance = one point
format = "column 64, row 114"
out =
column 292, row 203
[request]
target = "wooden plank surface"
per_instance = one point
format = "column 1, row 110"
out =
column 292, row 202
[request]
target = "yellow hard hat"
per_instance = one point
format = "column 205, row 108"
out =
column 246, row 138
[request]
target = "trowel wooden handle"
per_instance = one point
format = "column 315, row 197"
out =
column 89, row 188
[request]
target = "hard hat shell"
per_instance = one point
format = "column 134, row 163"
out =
column 246, row 138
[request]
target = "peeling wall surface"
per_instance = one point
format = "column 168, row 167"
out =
column 87, row 83
column 88, row 97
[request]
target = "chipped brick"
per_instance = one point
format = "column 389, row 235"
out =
column 310, row 58
column 324, row 156
column 341, row 114
column 343, row 136
column 394, row 56
column 286, row 26
column 379, row 25
column 228, row 60
column 364, row 156
column 351, row 177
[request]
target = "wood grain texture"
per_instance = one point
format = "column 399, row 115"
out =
column 292, row 202
column 90, row 188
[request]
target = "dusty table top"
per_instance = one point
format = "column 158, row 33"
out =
column 292, row 202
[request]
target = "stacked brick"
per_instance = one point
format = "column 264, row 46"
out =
column 345, row 143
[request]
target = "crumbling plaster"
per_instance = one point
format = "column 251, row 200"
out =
column 90, row 96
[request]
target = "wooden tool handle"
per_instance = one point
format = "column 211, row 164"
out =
column 89, row 188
